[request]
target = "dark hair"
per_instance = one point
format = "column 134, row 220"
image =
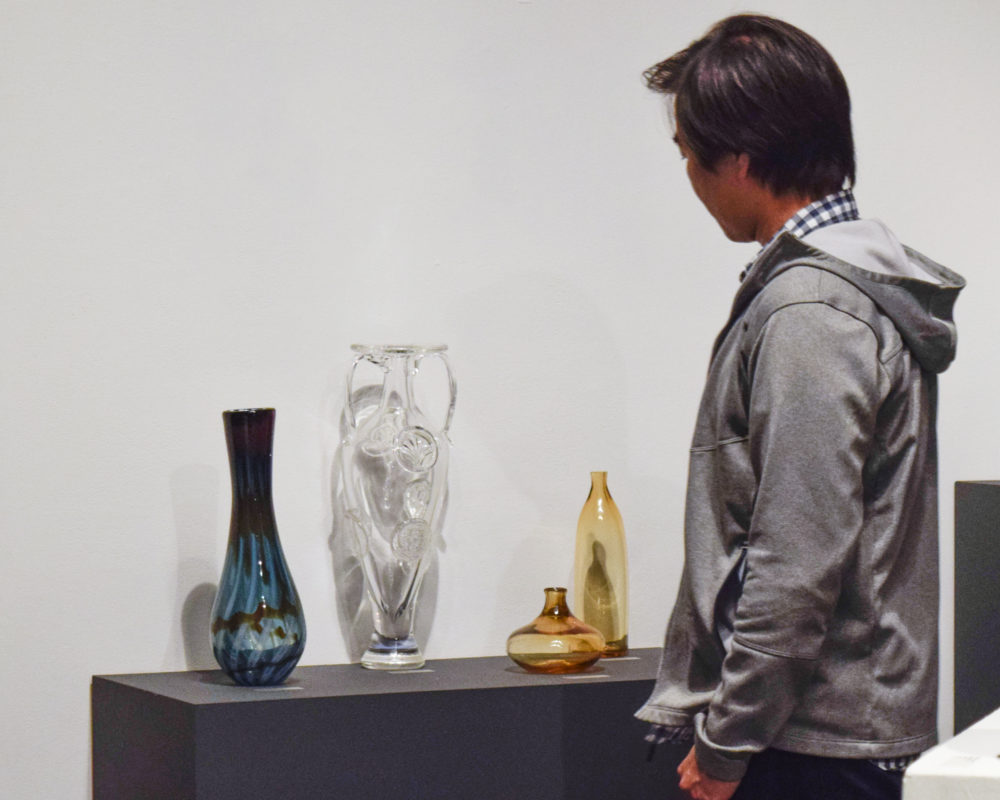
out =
column 757, row 85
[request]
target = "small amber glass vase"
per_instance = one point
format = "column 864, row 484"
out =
column 601, row 567
column 556, row 641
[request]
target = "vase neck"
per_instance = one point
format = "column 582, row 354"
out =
column 249, row 439
column 598, row 482
column 396, row 384
column 555, row 603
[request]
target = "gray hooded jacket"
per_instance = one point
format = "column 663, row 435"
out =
column 815, row 454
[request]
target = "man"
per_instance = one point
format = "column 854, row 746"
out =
column 801, row 655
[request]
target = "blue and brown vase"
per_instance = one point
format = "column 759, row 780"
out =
column 258, row 630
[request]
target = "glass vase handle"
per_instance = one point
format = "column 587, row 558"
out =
column 352, row 416
column 452, row 390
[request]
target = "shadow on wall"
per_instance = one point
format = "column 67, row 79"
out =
column 353, row 600
column 195, row 626
column 195, row 494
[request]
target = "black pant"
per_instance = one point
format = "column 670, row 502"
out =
column 779, row 775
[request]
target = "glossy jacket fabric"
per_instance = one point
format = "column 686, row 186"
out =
column 815, row 450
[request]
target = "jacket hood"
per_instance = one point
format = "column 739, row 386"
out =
column 916, row 293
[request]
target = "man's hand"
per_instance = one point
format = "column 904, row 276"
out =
column 701, row 787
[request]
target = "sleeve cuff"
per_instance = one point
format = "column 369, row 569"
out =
column 723, row 764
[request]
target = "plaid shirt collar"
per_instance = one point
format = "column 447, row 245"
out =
column 837, row 207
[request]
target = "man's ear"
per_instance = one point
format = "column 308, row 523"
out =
column 743, row 166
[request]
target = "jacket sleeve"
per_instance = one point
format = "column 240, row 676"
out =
column 814, row 383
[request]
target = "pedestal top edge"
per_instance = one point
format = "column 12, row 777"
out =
column 210, row 687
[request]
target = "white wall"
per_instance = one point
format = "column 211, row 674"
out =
column 204, row 204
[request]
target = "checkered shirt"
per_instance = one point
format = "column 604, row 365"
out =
column 837, row 207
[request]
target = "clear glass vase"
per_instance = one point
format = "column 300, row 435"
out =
column 395, row 470
column 600, row 574
column 258, row 629
column 555, row 641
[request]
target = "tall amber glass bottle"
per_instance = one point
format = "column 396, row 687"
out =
column 601, row 567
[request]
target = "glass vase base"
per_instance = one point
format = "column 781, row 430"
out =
column 616, row 648
column 259, row 668
column 389, row 654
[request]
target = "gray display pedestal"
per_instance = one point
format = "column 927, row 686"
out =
column 977, row 600
column 460, row 728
